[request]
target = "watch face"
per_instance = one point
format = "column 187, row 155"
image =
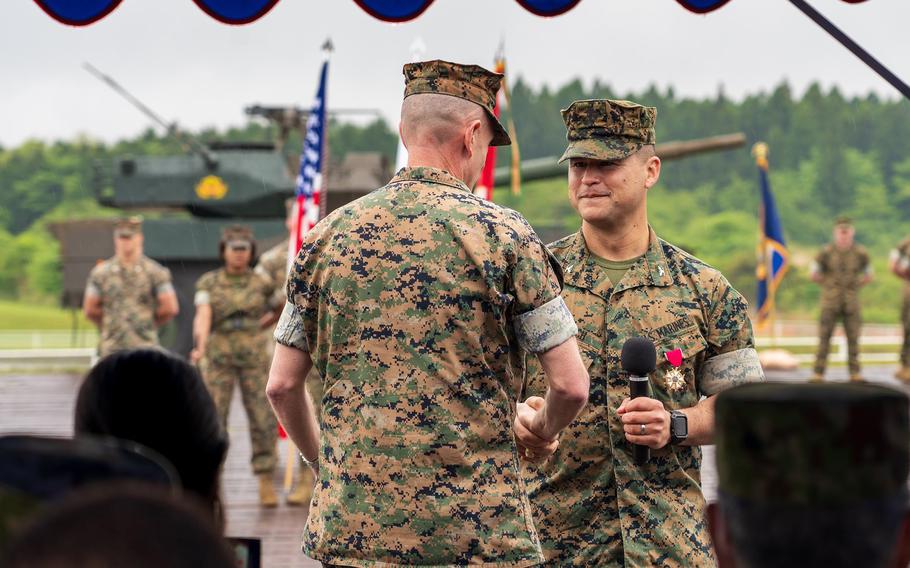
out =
column 679, row 425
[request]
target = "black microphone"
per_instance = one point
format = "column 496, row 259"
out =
column 639, row 359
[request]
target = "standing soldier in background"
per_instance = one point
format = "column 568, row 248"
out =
column 233, row 306
column 273, row 266
column 899, row 264
column 842, row 267
column 129, row 296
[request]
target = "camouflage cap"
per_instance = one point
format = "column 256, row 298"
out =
column 843, row 220
column 237, row 233
column 469, row 82
column 128, row 226
column 812, row 445
column 605, row 129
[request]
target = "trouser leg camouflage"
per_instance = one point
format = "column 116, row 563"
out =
column 220, row 380
column 852, row 324
column 905, row 319
column 826, row 323
column 263, row 425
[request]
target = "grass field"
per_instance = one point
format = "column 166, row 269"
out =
column 19, row 316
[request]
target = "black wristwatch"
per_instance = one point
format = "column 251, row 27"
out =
column 679, row 427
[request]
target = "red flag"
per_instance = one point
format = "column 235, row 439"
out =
column 485, row 185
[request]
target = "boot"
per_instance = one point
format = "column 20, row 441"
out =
column 856, row 378
column 303, row 488
column 903, row 374
column 267, row 495
column 817, row 378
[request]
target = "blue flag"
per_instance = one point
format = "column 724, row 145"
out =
column 309, row 179
column 773, row 257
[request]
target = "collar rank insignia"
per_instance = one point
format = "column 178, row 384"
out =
column 676, row 381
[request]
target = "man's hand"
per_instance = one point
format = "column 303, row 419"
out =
column 532, row 447
column 649, row 412
column 196, row 355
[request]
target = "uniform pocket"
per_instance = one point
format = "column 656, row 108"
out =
column 678, row 358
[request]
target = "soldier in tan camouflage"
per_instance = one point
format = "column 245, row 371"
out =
column 232, row 309
column 273, row 265
column 594, row 506
column 812, row 475
column 417, row 304
column 842, row 267
column 129, row 296
column 899, row 264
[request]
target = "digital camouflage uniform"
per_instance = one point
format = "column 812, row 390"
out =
column 128, row 302
column 237, row 352
column 417, row 303
column 842, row 273
column 901, row 256
column 593, row 505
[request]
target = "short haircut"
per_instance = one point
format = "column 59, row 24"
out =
column 122, row 525
column 431, row 118
column 155, row 399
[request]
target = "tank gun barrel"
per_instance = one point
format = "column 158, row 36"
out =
column 187, row 141
column 546, row 168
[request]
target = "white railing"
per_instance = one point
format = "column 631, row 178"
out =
column 47, row 339
column 838, row 351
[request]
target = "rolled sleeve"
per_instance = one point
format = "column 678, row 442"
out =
column 289, row 331
column 165, row 288
column 201, row 298
column 729, row 370
column 92, row 290
column 545, row 327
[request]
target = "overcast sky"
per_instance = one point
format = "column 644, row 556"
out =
column 199, row 72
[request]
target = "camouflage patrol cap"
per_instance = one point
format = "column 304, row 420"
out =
column 606, row 129
column 843, row 220
column 128, row 226
column 469, row 82
column 237, row 233
column 812, row 445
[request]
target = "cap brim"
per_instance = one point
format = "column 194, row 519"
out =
column 600, row 149
column 500, row 135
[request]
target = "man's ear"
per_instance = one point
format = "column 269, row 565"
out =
column 471, row 132
column 901, row 554
column 717, row 527
column 653, row 166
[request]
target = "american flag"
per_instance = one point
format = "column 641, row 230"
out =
column 309, row 179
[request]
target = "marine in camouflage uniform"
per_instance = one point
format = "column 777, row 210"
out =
column 900, row 266
column 841, row 268
column 129, row 295
column 416, row 304
column 593, row 505
column 811, row 475
column 236, row 350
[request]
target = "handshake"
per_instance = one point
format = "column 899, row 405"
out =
column 535, row 444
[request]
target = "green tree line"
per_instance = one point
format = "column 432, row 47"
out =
column 830, row 155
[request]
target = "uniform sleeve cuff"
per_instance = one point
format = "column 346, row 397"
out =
column 730, row 369
column 166, row 288
column 201, row 298
column 545, row 327
column 92, row 290
column 289, row 331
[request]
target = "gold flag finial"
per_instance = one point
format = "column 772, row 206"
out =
column 760, row 153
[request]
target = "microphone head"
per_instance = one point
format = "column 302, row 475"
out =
column 638, row 358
